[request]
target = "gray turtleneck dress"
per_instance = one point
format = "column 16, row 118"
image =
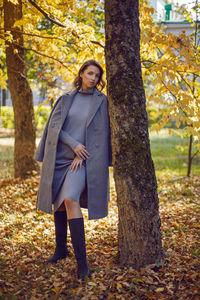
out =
column 68, row 184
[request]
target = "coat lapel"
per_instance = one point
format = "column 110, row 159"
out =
column 66, row 103
column 96, row 102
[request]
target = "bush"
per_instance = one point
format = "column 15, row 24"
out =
column 41, row 116
column 7, row 117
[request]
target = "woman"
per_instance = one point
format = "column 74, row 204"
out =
column 75, row 151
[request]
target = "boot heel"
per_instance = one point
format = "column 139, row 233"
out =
column 60, row 253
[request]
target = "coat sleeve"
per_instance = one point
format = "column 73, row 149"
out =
column 68, row 140
column 39, row 153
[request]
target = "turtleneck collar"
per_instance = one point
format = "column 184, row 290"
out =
column 87, row 92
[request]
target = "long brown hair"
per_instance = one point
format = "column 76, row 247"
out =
column 91, row 62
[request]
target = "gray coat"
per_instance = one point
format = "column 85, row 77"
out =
column 96, row 196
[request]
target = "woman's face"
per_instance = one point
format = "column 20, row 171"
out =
column 90, row 77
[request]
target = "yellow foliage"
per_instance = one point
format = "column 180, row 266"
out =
column 2, row 80
column 173, row 70
column 171, row 63
column 59, row 51
column 13, row 1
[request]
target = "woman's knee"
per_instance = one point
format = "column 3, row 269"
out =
column 70, row 203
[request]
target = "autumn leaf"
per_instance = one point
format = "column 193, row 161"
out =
column 27, row 240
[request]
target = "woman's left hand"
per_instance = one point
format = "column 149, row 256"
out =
column 77, row 162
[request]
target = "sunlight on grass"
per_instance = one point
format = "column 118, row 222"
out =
column 6, row 161
column 7, row 153
column 166, row 157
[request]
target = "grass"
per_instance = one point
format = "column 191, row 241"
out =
column 164, row 150
column 6, row 153
column 166, row 155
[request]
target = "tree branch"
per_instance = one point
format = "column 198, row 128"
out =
column 37, row 52
column 155, row 63
column 149, row 61
column 194, row 154
column 41, row 36
column 45, row 14
column 173, row 96
column 170, row 91
column 191, row 89
column 45, row 55
column 191, row 73
column 97, row 43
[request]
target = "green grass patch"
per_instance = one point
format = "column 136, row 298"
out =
column 6, row 153
column 41, row 116
column 166, row 156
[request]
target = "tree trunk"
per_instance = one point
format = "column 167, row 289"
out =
column 189, row 164
column 3, row 97
column 136, row 186
column 21, row 94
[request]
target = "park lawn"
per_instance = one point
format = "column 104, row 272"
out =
column 27, row 239
column 166, row 156
column 6, row 153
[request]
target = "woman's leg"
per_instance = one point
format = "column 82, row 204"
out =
column 60, row 220
column 76, row 226
column 73, row 209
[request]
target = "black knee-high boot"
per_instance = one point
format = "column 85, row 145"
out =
column 76, row 227
column 60, row 219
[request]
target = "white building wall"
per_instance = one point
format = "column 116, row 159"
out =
column 177, row 27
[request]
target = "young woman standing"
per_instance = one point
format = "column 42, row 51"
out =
column 76, row 153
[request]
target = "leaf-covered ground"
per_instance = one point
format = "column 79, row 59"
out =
column 27, row 239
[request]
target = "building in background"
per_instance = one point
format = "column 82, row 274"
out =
column 172, row 18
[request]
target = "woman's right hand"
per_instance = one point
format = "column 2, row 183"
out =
column 81, row 151
column 77, row 163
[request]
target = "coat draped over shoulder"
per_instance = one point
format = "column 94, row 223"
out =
column 96, row 195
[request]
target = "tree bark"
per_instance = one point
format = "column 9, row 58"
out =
column 3, row 97
column 21, row 94
column 189, row 164
column 139, row 222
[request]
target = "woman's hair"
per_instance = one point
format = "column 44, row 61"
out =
column 91, row 62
